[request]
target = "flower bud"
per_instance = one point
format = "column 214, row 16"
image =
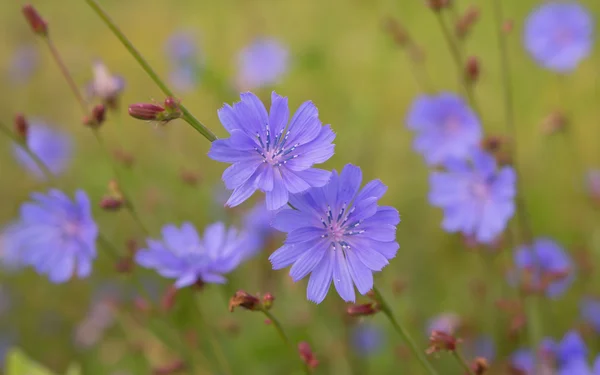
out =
column 472, row 69
column 554, row 123
column 245, row 300
column 145, row 111
column 441, row 341
column 267, row 301
column 189, row 177
column 507, row 26
column 363, row 310
column 467, row 21
column 109, row 203
column 396, row 31
column 36, row 22
column 307, row 355
column 21, row 126
column 96, row 118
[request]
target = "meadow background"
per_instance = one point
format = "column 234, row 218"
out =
column 362, row 84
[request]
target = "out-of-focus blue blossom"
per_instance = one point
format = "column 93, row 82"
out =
column 184, row 256
column 545, row 266
column 482, row 346
column 267, row 153
column 23, row 64
column 477, row 197
column 445, row 126
column 570, row 348
column 105, row 86
column 590, row 312
column 257, row 223
column 445, row 322
column 262, row 63
column 579, row 367
column 185, row 60
column 524, row 360
column 52, row 146
column 337, row 233
column 184, row 77
column 55, row 235
column 367, row 339
column 558, row 35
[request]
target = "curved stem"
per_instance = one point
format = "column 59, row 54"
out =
column 385, row 308
column 186, row 115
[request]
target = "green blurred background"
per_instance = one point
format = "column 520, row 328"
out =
column 362, row 84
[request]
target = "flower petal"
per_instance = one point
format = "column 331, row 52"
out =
column 309, row 260
column 362, row 276
column 279, row 196
column 341, row 277
column 293, row 183
column 320, row 279
column 286, row 255
column 279, row 114
column 238, row 173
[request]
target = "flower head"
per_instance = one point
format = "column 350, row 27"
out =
column 338, row 233
column 367, row 339
column 571, row 347
column 262, row 63
column 52, row 146
column 104, row 85
column 548, row 268
column 55, row 235
column 590, row 312
column 182, row 50
column 445, row 322
column 184, row 256
column 523, row 360
column 477, row 198
column 558, row 35
column 269, row 154
column 446, row 127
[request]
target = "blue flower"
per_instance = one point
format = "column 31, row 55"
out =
column 184, row 77
column 184, row 256
column 524, row 361
column 481, row 346
column 55, row 235
column 571, row 347
column 337, row 233
column 105, row 85
column 444, row 322
column 558, row 35
column 579, row 367
column 547, row 265
column 185, row 60
column 367, row 339
column 477, row 198
column 52, row 146
column 23, row 64
column 590, row 312
column 262, row 63
column 267, row 153
column 446, row 127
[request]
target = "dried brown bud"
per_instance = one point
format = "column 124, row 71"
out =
column 167, row 300
column 190, row 178
column 307, row 355
column 363, row 310
column 441, row 341
column 499, row 146
column 36, row 22
column 97, row 117
column 554, row 123
column 479, row 366
column 110, row 203
column 396, row 31
column 467, row 21
column 267, row 301
column 472, row 69
column 438, row 5
column 172, row 368
column 21, row 126
column 245, row 300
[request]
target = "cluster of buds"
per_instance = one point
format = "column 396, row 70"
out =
column 96, row 117
column 307, row 355
column 499, row 147
column 250, row 302
column 114, row 200
column 35, row 21
column 441, row 341
column 397, row 32
column 21, row 126
column 472, row 69
column 438, row 5
column 466, row 22
column 157, row 113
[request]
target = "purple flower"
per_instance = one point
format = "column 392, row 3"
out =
column 590, row 312
column 481, row 346
column 571, row 347
column 445, row 322
column 446, row 127
column 477, row 198
column 545, row 260
column 183, row 255
column 55, row 235
column 267, row 153
column 104, row 85
column 184, row 77
column 262, row 63
column 558, row 35
column 523, row 359
column 185, row 60
column 579, row 367
column 337, row 233
column 367, row 339
column 23, row 64
column 52, row 146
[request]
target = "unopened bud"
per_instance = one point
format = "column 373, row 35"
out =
column 36, row 22
column 21, row 126
column 245, row 300
column 190, row 177
column 499, row 147
column 154, row 112
column 171, row 103
column 363, row 310
column 472, row 69
column 97, row 117
column 307, row 355
column 479, row 366
column 438, row 5
column 467, row 21
column 267, row 301
column 109, row 203
column 441, row 341
column 396, row 31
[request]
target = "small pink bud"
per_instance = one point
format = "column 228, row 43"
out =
column 21, row 126
column 36, row 22
column 97, row 117
column 307, row 355
column 363, row 310
column 467, row 21
column 479, row 366
column 109, row 203
column 267, row 300
column 397, row 32
column 472, row 69
column 145, row 111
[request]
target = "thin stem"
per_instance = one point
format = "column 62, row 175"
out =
column 212, row 339
column 23, row 144
column 458, row 60
column 187, row 116
column 461, row 360
column 65, row 72
column 385, row 308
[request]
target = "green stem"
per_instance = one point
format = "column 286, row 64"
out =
column 212, row 339
column 385, row 308
column 187, row 116
column 461, row 360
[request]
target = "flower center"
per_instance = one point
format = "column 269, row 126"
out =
column 274, row 149
column 71, row 229
column 340, row 226
column 452, row 124
column 480, row 190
